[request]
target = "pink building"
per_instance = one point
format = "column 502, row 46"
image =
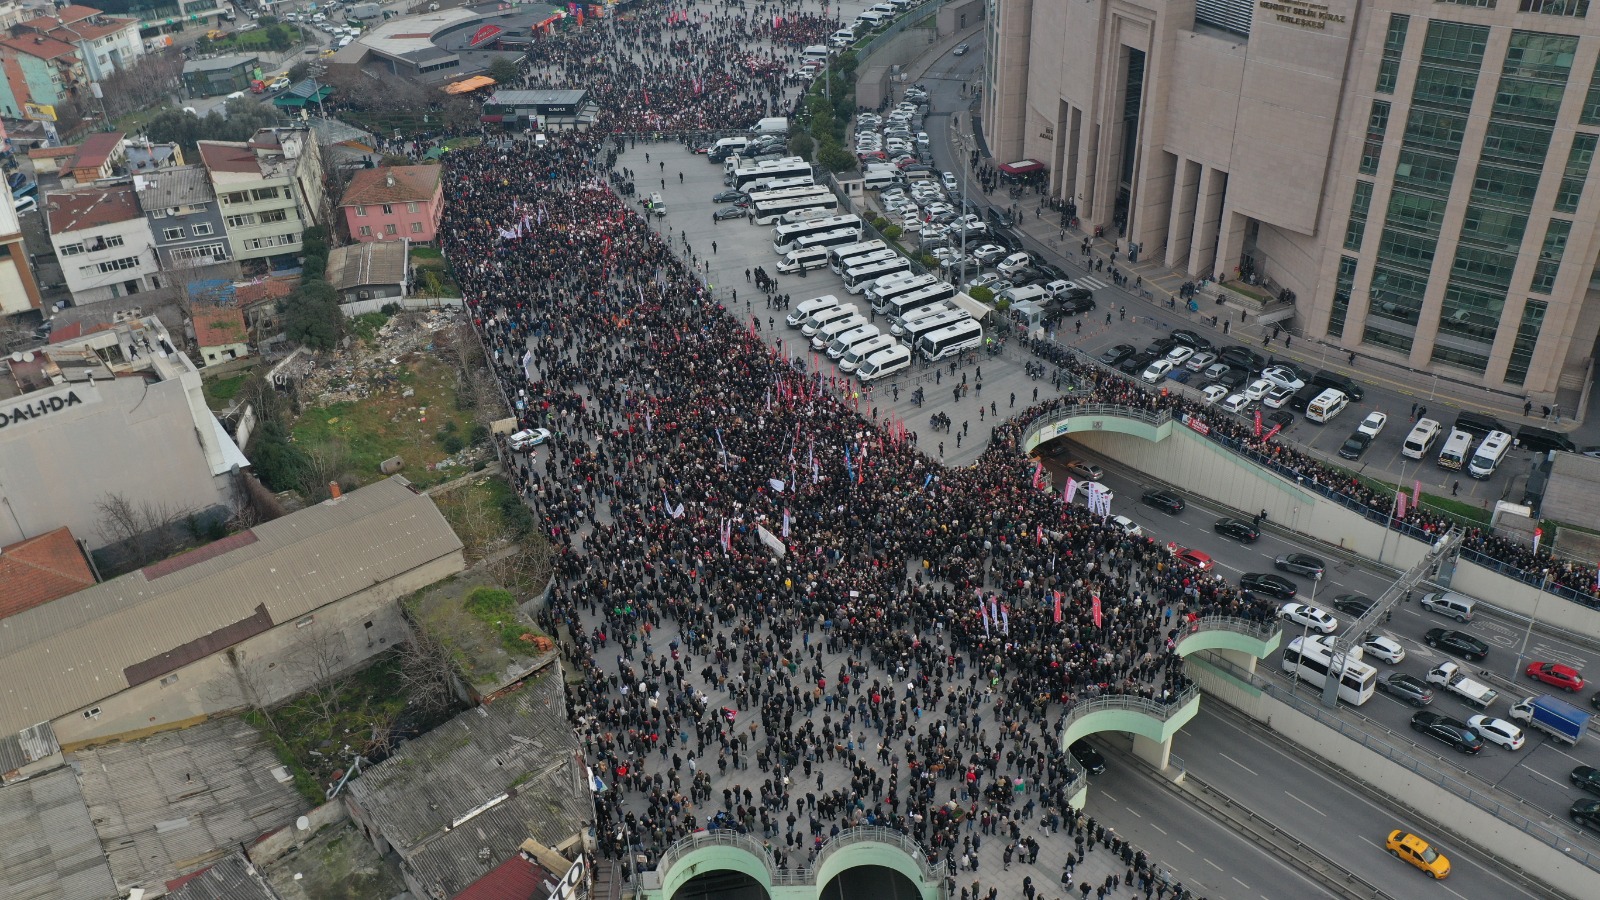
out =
column 394, row 202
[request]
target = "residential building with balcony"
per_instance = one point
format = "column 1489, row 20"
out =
column 99, row 156
column 103, row 242
column 186, row 222
column 167, row 18
column 19, row 289
column 105, row 43
column 38, row 69
column 394, row 203
column 270, row 191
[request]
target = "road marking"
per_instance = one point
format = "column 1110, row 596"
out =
column 1533, row 771
column 1213, row 865
column 1544, row 652
column 1129, row 809
column 1185, row 846
column 1457, row 893
column 1158, row 828
column 1239, row 764
column 1107, row 795
column 1551, row 744
column 1307, row 805
column 1242, row 884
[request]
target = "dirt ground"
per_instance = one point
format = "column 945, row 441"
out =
column 338, row 864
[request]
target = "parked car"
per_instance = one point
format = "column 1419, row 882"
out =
column 1300, row 614
column 729, row 196
column 1556, row 675
column 1238, row 529
column 1166, row 501
column 1212, row 393
column 1452, row 732
column 1117, row 354
column 1276, row 397
column 1409, row 688
column 1270, row 584
column 1355, row 445
column 1283, row 377
column 1586, row 812
column 1458, row 642
column 729, row 212
column 1156, row 371
column 1190, row 339
column 1128, row 526
column 1373, row 424
column 961, row 49
column 1587, row 778
column 1088, row 757
column 1194, row 559
column 1300, row 564
column 1200, row 360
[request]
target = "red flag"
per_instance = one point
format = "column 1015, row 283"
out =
column 1538, row 534
column 1058, row 607
column 1096, row 609
column 1416, row 493
column 1275, row 429
column 1258, row 423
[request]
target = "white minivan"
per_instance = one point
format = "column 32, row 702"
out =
column 1421, row 438
column 885, row 362
column 1489, row 455
column 807, row 307
column 828, row 332
column 855, row 356
column 855, row 337
column 812, row 258
column 1327, row 404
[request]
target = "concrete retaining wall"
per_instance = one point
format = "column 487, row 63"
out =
column 285, row 840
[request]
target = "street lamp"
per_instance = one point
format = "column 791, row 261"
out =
column 1315, row 580
column 1528, row 635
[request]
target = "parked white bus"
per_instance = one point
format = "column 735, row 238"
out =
column 857, row 278
column 905, row 282
column 950, row 340
column 837, row 257
column 914, row 329
column 767, row 207
column 785, row 237
column 834, row 238
column 1312, row 660
column 904, row 302
column 786, row 168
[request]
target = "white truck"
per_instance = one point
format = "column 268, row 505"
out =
column 1449, row 676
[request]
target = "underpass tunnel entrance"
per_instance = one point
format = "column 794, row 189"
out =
column 869, row 883
column 722, row 884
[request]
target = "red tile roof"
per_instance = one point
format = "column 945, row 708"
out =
column 40, row 46
column 97, row 148
column 221, row 156
column 269, row 289
column 411, row 184
column 90, row 207
column 518, row 878
column 40, row 569
column 77, row 330
column 53, row 152
column 218, row 326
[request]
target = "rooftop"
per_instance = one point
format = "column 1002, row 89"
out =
column 392, row 184
column 518, row 878
column 218, row 64
column 148, row 156
column 370, row 262
column 219, row 326
column 511, row 768
column 410, row 34
column 164, row 189
column 228, row 156
column 97, row 148
column 40, row 569
column 52, row 851
column 40, row 46
column 90, row 207
column 231, row 878
column 538, row 98
column 62, row 656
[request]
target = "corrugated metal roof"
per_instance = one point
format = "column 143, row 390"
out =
column 50, row 850
column 521, row 744
column 74, row 651
column 232, row 878
column 177, row 186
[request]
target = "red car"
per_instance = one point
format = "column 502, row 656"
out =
column 1556, row 675
column 1194, row 559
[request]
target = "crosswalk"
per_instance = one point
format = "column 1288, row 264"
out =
column 1093, row 284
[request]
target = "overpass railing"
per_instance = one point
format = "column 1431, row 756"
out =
column 800, row 875
column 1262, row 631
column 1150, row 706
column 879, row 835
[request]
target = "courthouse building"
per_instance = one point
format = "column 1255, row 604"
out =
column 1413, row 171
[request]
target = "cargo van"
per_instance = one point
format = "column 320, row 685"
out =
column 1328, row 404
column 822, row 317
column 807, row 307
column 817, row 52
column 1449, row 604
column 1477, row 424
column 855, row 356
column 1456, row 448
column 841, row 343
column 1420, row 440
column 779, row 124
column 1543, row 440
column 831, row 330
column 1489, row 455
column 884, row 362
column 813, row 258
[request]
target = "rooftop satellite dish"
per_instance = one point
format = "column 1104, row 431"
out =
column 302, row 823
column 16, row 357
column 27, row 356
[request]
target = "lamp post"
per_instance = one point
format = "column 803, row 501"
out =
column 1528, row 634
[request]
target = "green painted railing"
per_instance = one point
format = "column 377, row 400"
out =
column 727, row 837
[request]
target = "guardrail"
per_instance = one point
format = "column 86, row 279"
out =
column 1482, row 798
column 1260, row 630
column 722, row 837
column 801, row 875
column 1150, row 706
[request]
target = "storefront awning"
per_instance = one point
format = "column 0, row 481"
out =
column 1022, row 167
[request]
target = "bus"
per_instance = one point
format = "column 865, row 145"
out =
column 837, row 255
column 915, row 328
column 781, row 184
column 835, row 238
column 784, row 169
column 785, row 236
column 905, row 283
column 767, row 207
column 950, row 340
column 867, row 259
column 1308, row 659
column 857, row 278
column 901, row 302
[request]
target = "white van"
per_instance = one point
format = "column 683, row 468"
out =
column 808, row 307
column 855, row 337
column 779, row 124
column 885, row 362
column 1421, row 438
column 1456, row 448
column 818, row 52
column 878, row 179
column 874, row 19
column 734, row 144
column 1493, row 449
column 844, row 37
column 828, row 332
column 822, row 317
column 855, row 356
column 812, row 258
column 1450, row 604
column 1327, row 404
column 1025, row 293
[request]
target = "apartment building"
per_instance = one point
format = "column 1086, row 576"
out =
column 270, row 190
column 103, row 242
column 39, row 70
column 19, row 289
column 185, row 218
column 105, row 43
column 394, row 203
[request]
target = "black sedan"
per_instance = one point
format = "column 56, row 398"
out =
column 1458, row 642
column 1406, row 687
column 1117, row 354
column 730, row 196
column 1238, row 529
column 1160, row 346
column 1447, row 730
column 1354, row 604
column 1242, row 358
column 1586, row 777
column 1281, row 418
column 1355, row 445
column 1300, row 564
column 1071, row 304
column 1268, row 583
column 1166, row 501
column 729, row 212
column 1190, row 339
column 1136, row 363
column 1055, row 272
column 1088, row 757
column 1586, row 812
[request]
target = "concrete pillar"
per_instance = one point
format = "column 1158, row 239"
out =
column 1156, row 753
column 1208, row 218
column 1154, row 201
column 1088, row 138
column 1246, row 662
column 1180, row 226
column 1230, row 240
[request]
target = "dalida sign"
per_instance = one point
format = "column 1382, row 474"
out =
column 28, row 409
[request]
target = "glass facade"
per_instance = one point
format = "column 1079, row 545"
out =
column 1394, row 42
column 1341, row 295
column 1521, row 127
column 1358, row 216
column 1447, row 75
column 1555, row 246
column 1576, row 9
column 1527, row 338
column 1377, row 127
column 1578, row 162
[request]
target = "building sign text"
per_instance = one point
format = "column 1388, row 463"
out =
column 32, row 408
column 1305, row 15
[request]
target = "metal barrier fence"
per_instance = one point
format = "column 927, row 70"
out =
column 1366, row 732
column 1262, row 631
column 910, row 19
column 800, row 875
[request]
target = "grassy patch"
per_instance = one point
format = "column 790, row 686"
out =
column 459, row 143
column 421, row 429
column 427, row 256
column 486, row 514
column 366, row 325
column 476, row 620
column 220, row 390
column 495, row 609
column 1447, row 505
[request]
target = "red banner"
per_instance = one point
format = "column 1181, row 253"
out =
column 1058, row 607
column 1096, row 610
column 483, row 34
column 1258, row 422
column 1196, row 424
column 1275, row 429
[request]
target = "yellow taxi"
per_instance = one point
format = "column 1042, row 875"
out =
column 1417, row 852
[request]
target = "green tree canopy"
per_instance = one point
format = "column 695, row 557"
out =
column 503, row 70
column 311, row 314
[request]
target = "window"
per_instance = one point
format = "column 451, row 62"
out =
column 170, row 680
column 1578, row 161
column 1394, row 43
column 259, row 194
column 114, row 240
column 390, row 229
column 1576, row 9
column 235, row 197
column 1357, row 228
column 388, row 209
column 119, row 265
column 361, row 210
column 252, row 244
column 1377, row 126
column 200, row 229
column 158, row 214
column 416, row 227
column 413, row 207
column 1486, row 4
column 1527, row 337
column 274, row 215
column 172, row 234
column 366, row 231
column 1341, row 295
column 205, row 253
column 69, row 249
column 241, row 221
column 1555, row 246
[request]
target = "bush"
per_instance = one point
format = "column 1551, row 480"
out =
column 277, row 462
column 802, row 145
column 929, row 261
column 311, row 315
column 479, row 434
column 893, row 232
column 981, row 294
column 452, row 443
column 1003, row 304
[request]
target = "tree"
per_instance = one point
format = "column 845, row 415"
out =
column 280, row 37
column 981, row 294
column 278, row 462
column 833, row 157
column 146, row 83
column 299, row 71
column 427, row 672
column 140, row 533
column 245, row 118
column 311, row 315
column 503, row 71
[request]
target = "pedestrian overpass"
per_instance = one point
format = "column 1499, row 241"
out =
column 880, row 863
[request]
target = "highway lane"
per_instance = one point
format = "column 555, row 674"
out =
column 1216, row 863
column 1323, row 812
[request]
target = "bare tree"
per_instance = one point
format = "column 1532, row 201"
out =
column 319, row 661
column 140, row 533
column 427, row 672
column 251, row 675
column 324, row 463
column 144, row 84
